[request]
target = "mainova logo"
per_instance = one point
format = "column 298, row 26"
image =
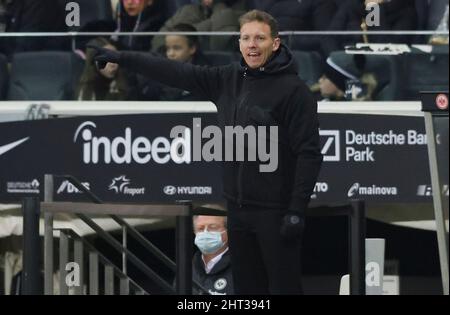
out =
column 357, row 189
column 121, row 185
column 184, row 145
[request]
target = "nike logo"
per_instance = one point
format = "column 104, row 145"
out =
column 8, row 147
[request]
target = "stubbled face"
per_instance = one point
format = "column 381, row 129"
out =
column 110, row 70
column 135, row 7
column 177, row 48
column 256, row 43
column 327, row 87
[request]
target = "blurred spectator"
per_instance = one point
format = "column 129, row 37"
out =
column 208, row 16
column 180, row 48
column 346, row 82
column 351, row 16
column 109, row 83
column 29, row 16
column 436, row 13
column 3, row 15
column 305, row 15
column 139, row 16
column 184, row 49
column 441, row 26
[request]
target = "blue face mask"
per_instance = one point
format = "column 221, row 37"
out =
column 209, row 242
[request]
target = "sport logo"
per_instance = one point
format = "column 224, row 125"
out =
column 69, row 188
column 357, row 189
column 442, row 101
column 8, row 147
column 220, row 284
column 120, row 185
column 331, row 149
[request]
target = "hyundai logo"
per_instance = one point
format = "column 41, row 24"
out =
column 170, row 190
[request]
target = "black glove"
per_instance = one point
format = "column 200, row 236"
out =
column 292, row 225
column 103, row 55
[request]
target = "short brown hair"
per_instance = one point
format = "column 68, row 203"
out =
column 260, row 16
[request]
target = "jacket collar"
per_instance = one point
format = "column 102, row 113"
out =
column 281, row 61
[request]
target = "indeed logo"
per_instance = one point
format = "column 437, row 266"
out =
column 125, row 150
column 240, row 144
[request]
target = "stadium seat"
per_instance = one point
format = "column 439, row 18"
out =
column 220, row 58
column 309, row 66
column 3, row 76
column 403, row 77
column 47, row 75
column 181, row 3
column 425, row 72
column 386, row 70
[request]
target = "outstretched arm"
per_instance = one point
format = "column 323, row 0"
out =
column 202, row 80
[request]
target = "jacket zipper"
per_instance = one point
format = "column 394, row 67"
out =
column 240, row 184
column 241, row 164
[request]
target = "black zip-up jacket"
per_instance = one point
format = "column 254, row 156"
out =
column 272, row 95
column 219, row 280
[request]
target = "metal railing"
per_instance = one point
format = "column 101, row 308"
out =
column 182, row 211
column 356, row 214
column 289, row 34
column 80, row 247
column 354, row 211
column 283, row 33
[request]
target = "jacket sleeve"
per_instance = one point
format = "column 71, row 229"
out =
column 302, row 123
column 202, row 80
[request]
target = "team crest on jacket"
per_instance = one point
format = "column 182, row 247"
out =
column 220, row 284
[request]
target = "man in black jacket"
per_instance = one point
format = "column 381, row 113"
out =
column 266, row 206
